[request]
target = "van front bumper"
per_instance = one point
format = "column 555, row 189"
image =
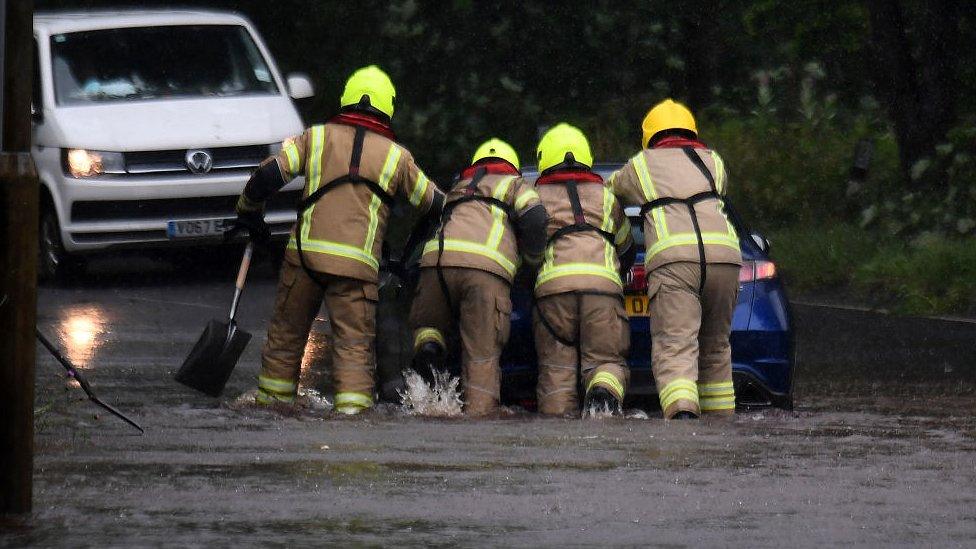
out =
column 132, row 211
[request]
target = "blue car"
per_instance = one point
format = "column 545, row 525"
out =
column 762, row 333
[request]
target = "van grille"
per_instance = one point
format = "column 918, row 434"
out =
column 174, row 161
column 171, row 208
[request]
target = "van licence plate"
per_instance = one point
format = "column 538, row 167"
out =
column 197, row 228
column 636, row 305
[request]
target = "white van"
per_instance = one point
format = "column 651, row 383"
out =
column 147, row 124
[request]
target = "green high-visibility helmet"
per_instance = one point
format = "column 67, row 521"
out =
column 373, row 83
column 496, row 148
column 561, row 141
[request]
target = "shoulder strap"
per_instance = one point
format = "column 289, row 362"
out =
column 351, row 177
column 697, row 161
column 574, row 201
column 733, row 214
column 470, row 194
column 580, row 224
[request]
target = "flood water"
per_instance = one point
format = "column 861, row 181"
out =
column 880, row 451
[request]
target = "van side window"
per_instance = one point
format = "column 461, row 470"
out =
column 37, row 101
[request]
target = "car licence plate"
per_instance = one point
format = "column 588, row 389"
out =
column 197, row 228
column 636, row 305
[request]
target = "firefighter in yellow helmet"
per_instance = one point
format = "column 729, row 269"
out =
column 353, row 169
column 579, row 322
column 692, row 260
column 491, row 219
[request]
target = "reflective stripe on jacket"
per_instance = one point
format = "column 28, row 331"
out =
column 343, row 233
column 669, row 234
column 582, row 260
column 479, row 235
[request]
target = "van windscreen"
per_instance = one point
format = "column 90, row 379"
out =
column 157, row 63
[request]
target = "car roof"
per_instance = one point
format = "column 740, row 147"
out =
column 602, row 168
column 74, row 21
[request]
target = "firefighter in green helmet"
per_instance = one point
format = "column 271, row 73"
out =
column 353, row 169
column 492, row 220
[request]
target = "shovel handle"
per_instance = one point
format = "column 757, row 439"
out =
column 245, row 265
column 241, row 277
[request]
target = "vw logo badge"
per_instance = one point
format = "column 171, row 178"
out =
column 199, row 161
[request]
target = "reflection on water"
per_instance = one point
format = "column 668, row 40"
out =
column 82, row 328
column 316, row 362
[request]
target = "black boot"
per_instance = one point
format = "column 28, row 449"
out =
column 684, row 414
column 429, row 359
column 600, row 399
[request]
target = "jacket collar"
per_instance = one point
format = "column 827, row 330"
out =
column 364, row 120
column 499, row 167
column 562, row 176
column 676, row 142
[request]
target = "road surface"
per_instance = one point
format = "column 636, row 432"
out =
column 880, row 451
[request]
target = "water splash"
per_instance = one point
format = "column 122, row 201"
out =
column 307, row 401
column 443, row 399
column 598, row 411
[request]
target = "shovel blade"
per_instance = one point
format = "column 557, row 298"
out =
column 210, row 363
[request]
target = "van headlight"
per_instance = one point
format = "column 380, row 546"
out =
column 85, row 163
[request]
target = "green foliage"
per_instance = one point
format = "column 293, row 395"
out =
column 941, row 196
column 925, row 276
column 931, row 275
column 818, row 257
column 792, row 168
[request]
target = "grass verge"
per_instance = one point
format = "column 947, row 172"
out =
column 926, row 276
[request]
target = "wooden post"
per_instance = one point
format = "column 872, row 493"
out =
column 18, row 259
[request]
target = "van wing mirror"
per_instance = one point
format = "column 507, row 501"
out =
column 761, row 241
column 299, row 86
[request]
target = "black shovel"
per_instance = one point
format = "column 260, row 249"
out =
column 216, row 353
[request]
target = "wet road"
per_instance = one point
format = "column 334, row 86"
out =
column 881, row 450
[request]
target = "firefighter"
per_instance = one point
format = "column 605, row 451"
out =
column 353, row 168
column 579, row 321
column 692, row 260
column 489, row 217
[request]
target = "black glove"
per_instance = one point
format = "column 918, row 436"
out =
column 250, row 218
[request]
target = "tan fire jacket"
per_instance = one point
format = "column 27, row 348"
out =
column 480, row 236
column 585, row 260
column 669, row 234
column 342, row 234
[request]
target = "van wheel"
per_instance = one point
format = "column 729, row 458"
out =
column 54, row 263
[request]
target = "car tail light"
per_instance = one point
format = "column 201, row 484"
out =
column 752, row 271
column 637, row 279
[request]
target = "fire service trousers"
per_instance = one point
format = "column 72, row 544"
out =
column 691, row 357
column 351, row 306
column 483, row 308
column 601, row 324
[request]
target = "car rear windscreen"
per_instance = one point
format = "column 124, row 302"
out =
column 157, row 63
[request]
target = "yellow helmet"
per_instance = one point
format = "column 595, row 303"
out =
column 372, row 82
column 560, row 141
column 496, row 148
column 667, row 115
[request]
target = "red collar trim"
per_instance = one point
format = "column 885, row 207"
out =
column 579, row 176
column 676, row 142
column 362, row 120
column 499, row 167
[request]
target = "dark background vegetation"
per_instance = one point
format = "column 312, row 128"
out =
column 784, row 90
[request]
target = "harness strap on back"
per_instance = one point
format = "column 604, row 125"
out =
column 351, row 177
column 690, row 203
column 469, row 195
column 579, row 218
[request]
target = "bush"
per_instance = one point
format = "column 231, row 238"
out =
column 819, row 257
column 928, row 276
